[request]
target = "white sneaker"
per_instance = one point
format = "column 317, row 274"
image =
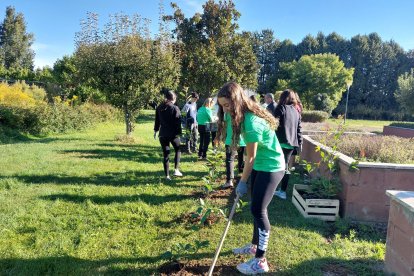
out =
column 167, row 177
column 254, row 266
column 177, row 173
column 228, row 184
column 280, row 194
column 247, row 249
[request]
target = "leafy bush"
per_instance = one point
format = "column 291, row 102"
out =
column 403, row 124
column 378, row 148
column 314, row 116
column 57, row 118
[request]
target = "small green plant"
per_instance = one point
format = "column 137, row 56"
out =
column 321, row 186
column 214, row 166
column 205, row 213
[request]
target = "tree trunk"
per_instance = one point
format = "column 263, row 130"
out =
column 128, row 122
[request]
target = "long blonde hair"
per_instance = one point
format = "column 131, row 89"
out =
column 208, row 102
column 240, row 105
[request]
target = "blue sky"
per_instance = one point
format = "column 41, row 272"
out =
column 54, row 23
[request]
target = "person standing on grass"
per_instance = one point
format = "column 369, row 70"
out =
column 230, row 152
column 168, row 123
column 270, row 102
column 289, row 132
column 204, row 118
column 264, row 164
column 190, row 109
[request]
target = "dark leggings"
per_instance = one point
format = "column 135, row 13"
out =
column 213, row 136
column 263, row 187
column 204, row 141
column 165, row 144
column 230, row 154
column 285, row 181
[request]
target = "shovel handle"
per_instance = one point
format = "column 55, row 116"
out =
column 233, row 209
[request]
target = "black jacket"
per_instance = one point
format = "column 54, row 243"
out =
column 168, row 120
column 289, row 130
column 271, row 107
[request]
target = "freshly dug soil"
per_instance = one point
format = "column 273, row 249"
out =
column 197, row 267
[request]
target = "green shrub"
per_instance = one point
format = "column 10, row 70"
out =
column 403, row 124
column 314, row 116
column 56, row 118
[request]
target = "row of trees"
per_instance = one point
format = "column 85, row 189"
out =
column 124, row 64
column 377, row 65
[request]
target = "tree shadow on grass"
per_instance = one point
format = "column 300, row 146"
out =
column 118, row 179
column 150, row 199
column 335, row 267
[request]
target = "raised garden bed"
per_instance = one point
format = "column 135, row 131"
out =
column 324, row 209
column 363, row 194
column 398, row 131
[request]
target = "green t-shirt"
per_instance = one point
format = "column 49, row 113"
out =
column 269, row 155
column 204, row 116
column 286, row 146
column 229, row 132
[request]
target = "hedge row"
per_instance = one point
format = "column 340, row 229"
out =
column 403, row 124
column 44, row 119
column 314, row 116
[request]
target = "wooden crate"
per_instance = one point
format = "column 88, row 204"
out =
column 324, row 209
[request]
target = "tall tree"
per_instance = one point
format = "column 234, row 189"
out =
column 124, row 63
column 319, row 79
column 15, row 42
column 405, row 92
column 212, row 52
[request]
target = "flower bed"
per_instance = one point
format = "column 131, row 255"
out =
column 374, row 148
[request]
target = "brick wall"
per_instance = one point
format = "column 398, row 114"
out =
column 399, row 256
column 398, row 131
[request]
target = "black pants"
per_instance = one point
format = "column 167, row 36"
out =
column 263, row 186
column 204, row 141
column 285, row 181
column 191, row 137
column 230, row 154
column 165, row 144
column 213, row 136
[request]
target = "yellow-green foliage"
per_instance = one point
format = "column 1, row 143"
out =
column 21, row 94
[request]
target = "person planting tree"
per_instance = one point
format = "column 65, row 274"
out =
column 264, row 164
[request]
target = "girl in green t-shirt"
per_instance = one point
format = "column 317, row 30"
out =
column 264, row 164
column 204, row 118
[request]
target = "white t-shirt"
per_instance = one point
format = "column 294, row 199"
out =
column 193, row 110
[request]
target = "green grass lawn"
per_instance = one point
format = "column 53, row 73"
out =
column 83, row 204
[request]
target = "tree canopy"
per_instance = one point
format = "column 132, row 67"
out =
column 319, row 79
column 124, row 62
column 212, row 52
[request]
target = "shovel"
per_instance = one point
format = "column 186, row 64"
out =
column 233, row 209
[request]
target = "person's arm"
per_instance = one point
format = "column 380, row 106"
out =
column 299, row 133
column 251, row 150
column 157, row 121
column 178, row 120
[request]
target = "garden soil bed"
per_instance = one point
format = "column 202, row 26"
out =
column 197, row 267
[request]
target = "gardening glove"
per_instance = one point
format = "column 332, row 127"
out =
column 155, row 135
column 241, row 189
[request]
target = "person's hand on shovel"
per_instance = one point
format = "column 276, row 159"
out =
column 241, row 189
